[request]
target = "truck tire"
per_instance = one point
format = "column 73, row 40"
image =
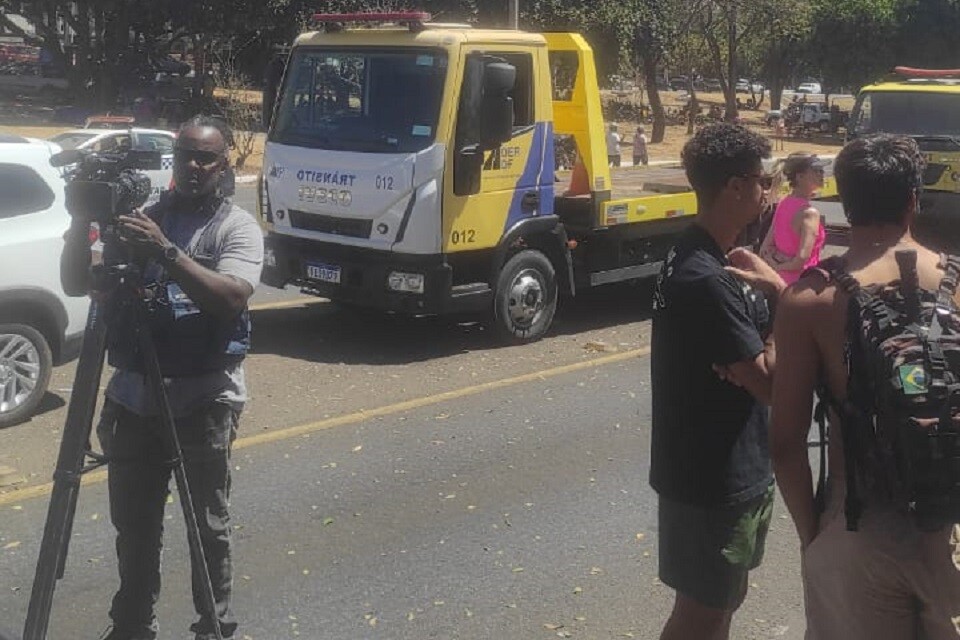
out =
column 25, row 366
column 525, row 299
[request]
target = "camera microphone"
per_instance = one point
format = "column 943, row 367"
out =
column 68, row 157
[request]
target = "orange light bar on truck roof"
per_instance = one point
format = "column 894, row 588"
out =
column 911, row 72
column 411, row 17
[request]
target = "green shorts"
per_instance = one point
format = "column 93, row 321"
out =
column 706, row 553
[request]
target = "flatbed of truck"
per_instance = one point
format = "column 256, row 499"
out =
column 635, row 182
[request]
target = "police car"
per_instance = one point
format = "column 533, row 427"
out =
column 120, row 140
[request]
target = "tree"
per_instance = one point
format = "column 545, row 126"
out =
column 659, row 25
column 778, row 48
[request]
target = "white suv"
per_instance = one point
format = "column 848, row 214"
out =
column 39, row 325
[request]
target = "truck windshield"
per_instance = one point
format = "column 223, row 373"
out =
column 916, row 113
column 379, row 101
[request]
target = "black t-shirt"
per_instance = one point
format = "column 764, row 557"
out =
column 709, row 437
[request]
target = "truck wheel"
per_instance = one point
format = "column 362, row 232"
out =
column 25, row 366
column 526, row 297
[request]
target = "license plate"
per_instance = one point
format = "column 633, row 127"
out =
column 324, row 272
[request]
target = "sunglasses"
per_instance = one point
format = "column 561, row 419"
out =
column 765, row 181
column 202, row 158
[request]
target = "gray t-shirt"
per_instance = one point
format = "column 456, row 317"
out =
column 238, row 253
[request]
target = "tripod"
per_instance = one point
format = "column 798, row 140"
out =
column 76, row 457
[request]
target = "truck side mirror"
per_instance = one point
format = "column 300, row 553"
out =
column 496, row 110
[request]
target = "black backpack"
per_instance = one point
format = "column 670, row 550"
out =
column 901, row 418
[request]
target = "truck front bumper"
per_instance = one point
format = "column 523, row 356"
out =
column 364, row 276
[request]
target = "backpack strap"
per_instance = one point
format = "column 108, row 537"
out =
column 850, row 416
column 936, row 360
column 833, row 271
column 948, row 285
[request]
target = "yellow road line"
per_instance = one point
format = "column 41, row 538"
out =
column 266, row 437
column 287, row 304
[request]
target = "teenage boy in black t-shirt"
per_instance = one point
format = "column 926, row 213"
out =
column 712, row 366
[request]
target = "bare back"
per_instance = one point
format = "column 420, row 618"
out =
column 828, row 306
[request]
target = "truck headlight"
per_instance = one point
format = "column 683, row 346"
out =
column 406, row 282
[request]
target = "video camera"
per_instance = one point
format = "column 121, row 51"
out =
column 103, row 186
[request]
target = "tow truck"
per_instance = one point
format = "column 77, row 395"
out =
column 409, row 167
column 925, row 105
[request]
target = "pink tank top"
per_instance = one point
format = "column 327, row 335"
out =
column 787, row 240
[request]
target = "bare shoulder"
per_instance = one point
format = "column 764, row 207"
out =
column 812, row 295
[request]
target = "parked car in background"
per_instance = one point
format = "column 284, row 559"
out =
column 745, row 86
column 710, row 84
column 809, row 87
column 40, row 326
column 120, row 140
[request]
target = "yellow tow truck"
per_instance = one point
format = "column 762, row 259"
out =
column 924, row 104
column 410, row 167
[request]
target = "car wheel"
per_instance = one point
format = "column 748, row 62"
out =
column 526, row 297
column 25, row 367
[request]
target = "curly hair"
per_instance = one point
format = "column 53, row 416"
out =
column 215, row 122
column 877, row 176
column 719, row 152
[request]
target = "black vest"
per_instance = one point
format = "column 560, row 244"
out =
column 188, row 341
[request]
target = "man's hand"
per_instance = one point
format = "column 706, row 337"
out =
column 142, row 234
column 727, row 374
column 753, row 270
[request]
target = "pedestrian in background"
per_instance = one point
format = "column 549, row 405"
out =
column 640, row 156
column 613, row 145
column 711, row 341
column 797, row 235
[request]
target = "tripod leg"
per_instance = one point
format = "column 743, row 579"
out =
column 172, row 441
column 66, row 479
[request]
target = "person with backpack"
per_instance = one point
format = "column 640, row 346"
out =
column 709, row 461
column 876, row 334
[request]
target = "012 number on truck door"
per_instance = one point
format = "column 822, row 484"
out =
column 465, row 236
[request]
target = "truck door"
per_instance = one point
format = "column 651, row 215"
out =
column 485, row 196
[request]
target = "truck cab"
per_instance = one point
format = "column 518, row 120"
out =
column 410, row 167
column 925, row 105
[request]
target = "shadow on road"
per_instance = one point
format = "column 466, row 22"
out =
column 332, row 334
column 50, row 402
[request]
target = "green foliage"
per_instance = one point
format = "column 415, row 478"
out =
column 844, row 42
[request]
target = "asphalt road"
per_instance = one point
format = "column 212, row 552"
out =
column 514, row 510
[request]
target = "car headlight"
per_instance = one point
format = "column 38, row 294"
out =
column 406, row 282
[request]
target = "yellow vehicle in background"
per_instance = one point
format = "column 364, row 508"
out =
column 410, row 167
column 925, row 105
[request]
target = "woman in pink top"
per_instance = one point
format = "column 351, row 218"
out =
column 796, row 235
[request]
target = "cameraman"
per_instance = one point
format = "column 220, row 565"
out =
column 205, row 254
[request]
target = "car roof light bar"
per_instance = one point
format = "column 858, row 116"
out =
column 413, row 19
column 933, row 74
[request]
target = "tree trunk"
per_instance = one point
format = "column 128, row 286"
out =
column 730, row 88
column 693, row 109
column 776, row 94
column 656, row 104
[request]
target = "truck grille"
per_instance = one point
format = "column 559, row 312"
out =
column 331, row 224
